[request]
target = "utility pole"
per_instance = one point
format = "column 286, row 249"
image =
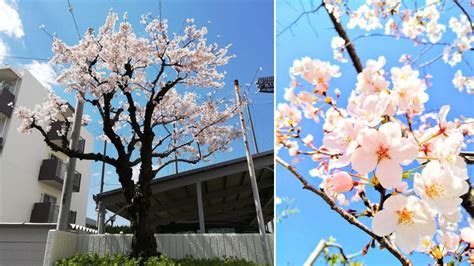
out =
column 176, row 170
column 253, row 179
column 100, row 207
column 254, row 137
column 66, row 195
column 315, row 254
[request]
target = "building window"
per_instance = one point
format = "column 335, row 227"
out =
column 49, row 198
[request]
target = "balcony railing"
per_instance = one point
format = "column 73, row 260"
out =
column 47, row 212
column 53, row 171
column 44, row 212
column 6, row 102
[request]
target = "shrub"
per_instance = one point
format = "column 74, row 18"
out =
column 123, row 260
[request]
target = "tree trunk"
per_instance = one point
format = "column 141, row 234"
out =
column 138, row 197
column 143, row 242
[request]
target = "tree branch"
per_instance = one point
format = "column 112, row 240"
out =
column 132, row 109
column 349, row 45
column 108, row 127
column 345, row 215
column 456, row 2
column 74, row 154
column 305, row 13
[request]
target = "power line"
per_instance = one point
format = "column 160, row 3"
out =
column 27, row 58
column 74, row 19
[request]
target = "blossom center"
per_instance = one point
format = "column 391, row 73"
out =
column 347, row 139
column 382, row 153
column 451, row 159
column 434, row 190
column 405, row 216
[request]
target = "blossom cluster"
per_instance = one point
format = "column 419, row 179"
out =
column 121, row 74
column 420, row 23
column 372, row 146
column 52, row 109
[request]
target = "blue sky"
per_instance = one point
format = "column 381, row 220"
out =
column 299, row 234
column 247, row 25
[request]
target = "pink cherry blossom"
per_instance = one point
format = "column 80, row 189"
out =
column 384, row 149
column 316, row 72
column 340, row 182
column 410, row 90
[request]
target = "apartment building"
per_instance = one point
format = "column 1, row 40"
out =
column 31, row 174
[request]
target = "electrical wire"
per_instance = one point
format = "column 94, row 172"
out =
column 27, row 58
column 74, row 19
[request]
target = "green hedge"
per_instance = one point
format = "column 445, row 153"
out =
column 123, row 260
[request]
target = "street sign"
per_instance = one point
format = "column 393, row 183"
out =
column 265, row 84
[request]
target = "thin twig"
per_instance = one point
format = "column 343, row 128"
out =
column 348, row 217
column 298, row 18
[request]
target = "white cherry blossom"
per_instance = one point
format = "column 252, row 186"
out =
column 408, row 217
column 439, row 188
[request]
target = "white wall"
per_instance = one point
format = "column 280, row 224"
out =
column 23, row 244
column 20, row 162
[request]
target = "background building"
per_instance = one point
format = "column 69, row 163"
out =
column 211, row 199
column 31, row 174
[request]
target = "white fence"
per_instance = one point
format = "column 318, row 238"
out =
column 246, row 246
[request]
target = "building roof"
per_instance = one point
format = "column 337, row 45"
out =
column 9, row 73
column 226, row 192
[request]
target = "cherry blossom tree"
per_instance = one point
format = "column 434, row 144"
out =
column 382, row 148
column 134, row 82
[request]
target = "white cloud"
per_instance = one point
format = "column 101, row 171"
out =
column 10, row 22
column 43, row 72
column 3, row 51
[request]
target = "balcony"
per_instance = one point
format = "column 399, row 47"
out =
column 6, row 102
column 53, row 171
column 54, row 136
column 47, row 212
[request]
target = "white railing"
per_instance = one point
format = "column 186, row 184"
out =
column 246, row 246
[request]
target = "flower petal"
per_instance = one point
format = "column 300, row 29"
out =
column 407, row 238
column 384, row 223
column 395, row 202
column 392, row 131
column 389, row 173
column 363, row 161
column 406, row 151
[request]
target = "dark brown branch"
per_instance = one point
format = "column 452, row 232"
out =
column 131, row 145
column 468, row 198
column 345, row 215
column 74, row 154
column 108, row 126
column 456, row 2
column 132, row 109
column 169, row 152
column 349, row 45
